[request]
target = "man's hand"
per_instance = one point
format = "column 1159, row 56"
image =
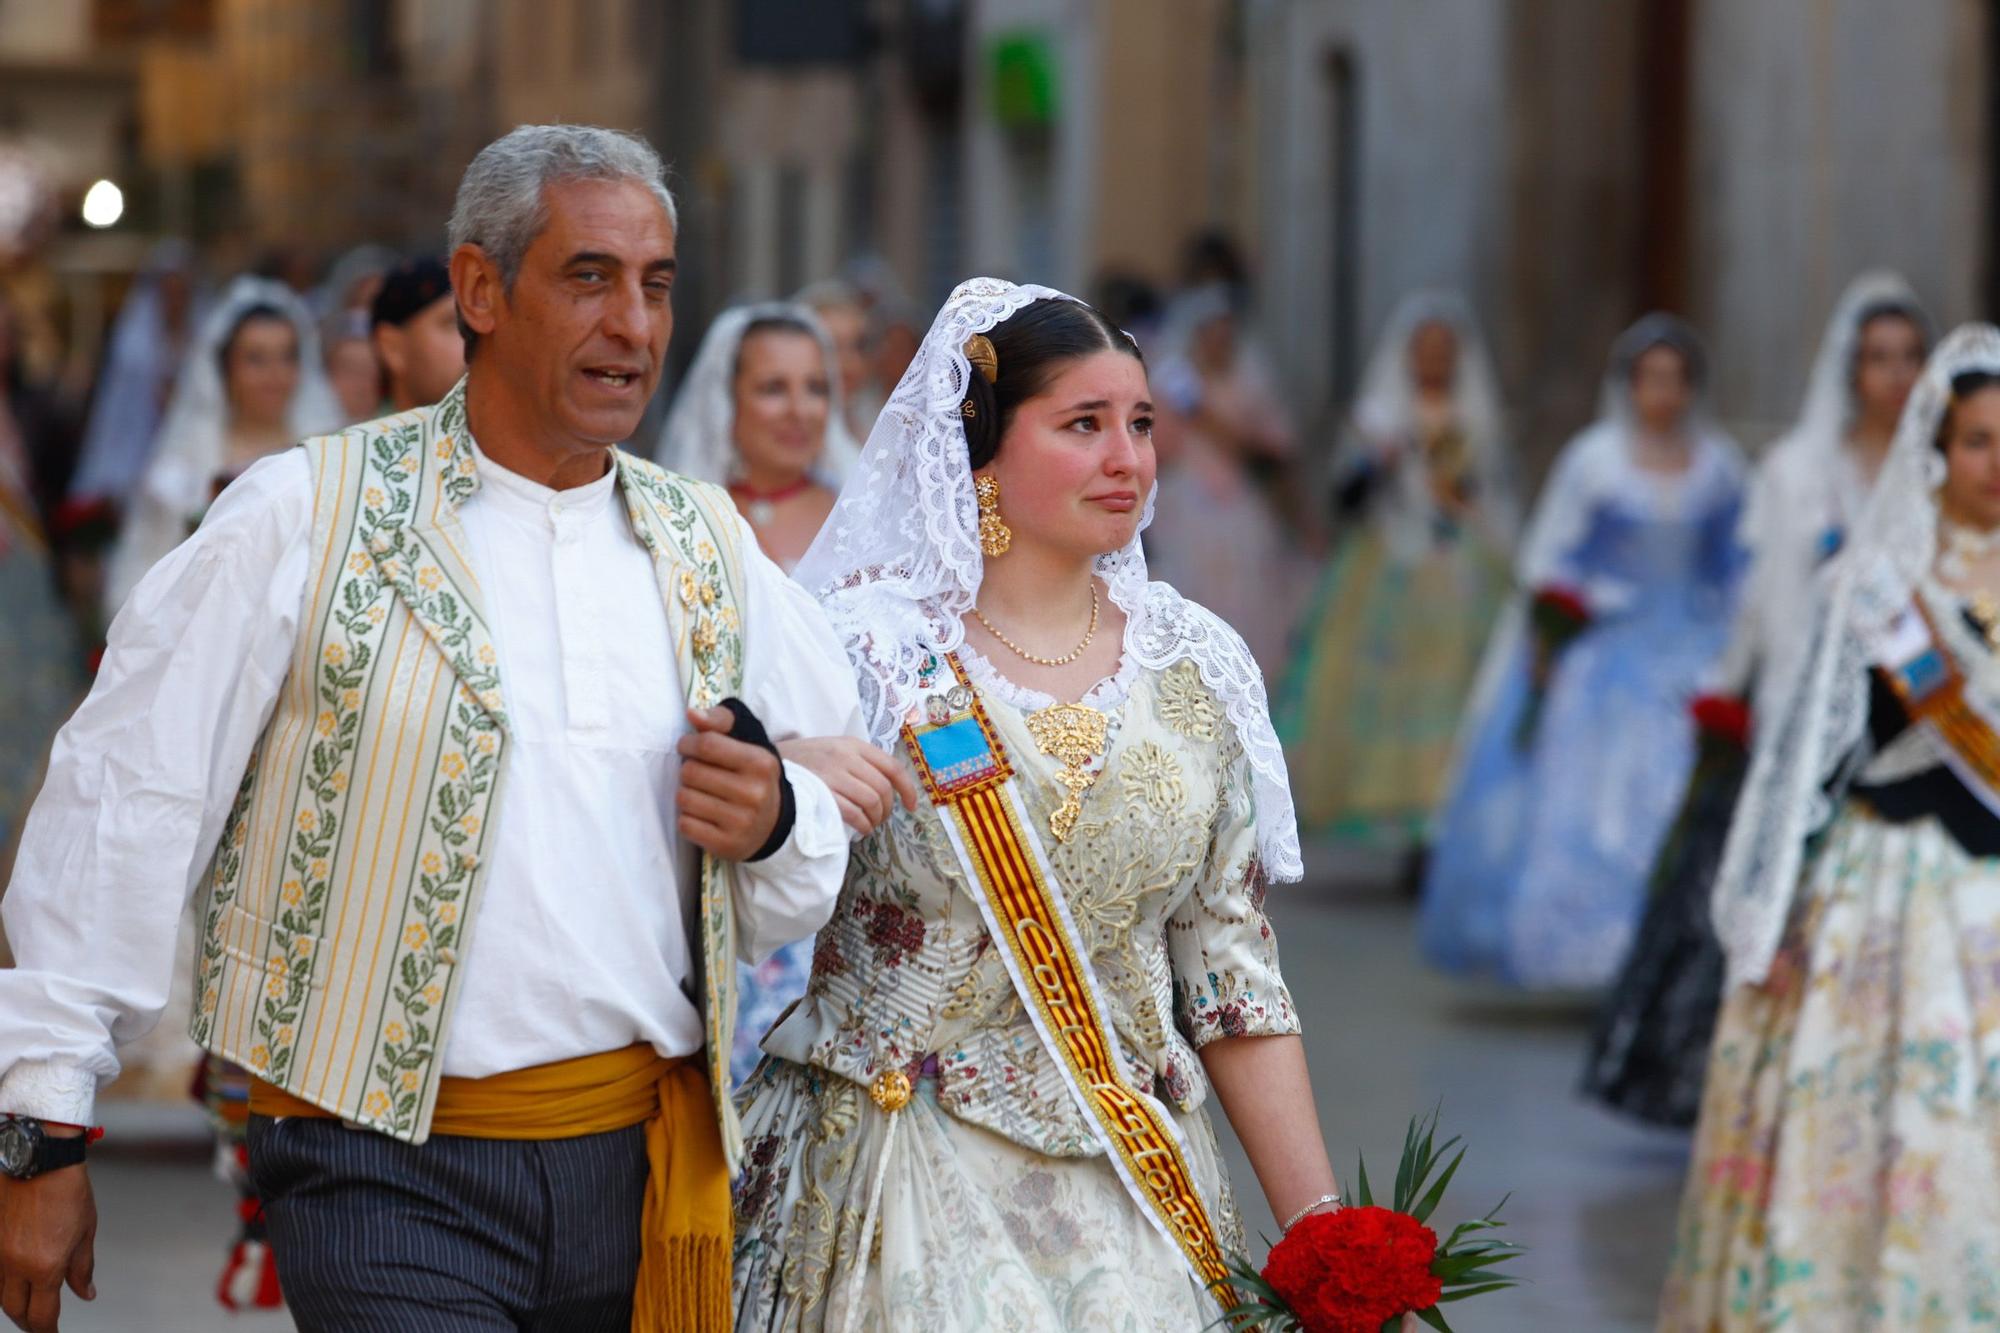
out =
column 47, row 1227
column 866, row 783
column 729, row 797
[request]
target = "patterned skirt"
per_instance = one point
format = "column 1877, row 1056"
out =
column 1370, row 709
column 1846, row 1174
column 970, row 1232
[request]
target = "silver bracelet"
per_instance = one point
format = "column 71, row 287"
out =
column 1300, row 1214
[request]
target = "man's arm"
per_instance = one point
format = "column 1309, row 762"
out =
column 138, row 785
column 797, row 681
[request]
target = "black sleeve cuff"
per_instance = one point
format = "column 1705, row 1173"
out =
column 747, row 727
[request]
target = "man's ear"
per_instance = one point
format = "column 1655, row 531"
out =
column 475, row 283
column 390, row 349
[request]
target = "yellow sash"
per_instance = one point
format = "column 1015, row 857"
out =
column 687, row 1233
column 965, row 770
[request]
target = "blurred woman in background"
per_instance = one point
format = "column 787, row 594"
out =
column 1373, row 698
column 1577, row 740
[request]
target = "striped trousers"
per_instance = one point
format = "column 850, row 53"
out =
column 457, row 1234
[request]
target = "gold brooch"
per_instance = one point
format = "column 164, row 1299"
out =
column 1072, row 735
column 891, row 1090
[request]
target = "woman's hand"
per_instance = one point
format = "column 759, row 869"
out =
column 865, row 782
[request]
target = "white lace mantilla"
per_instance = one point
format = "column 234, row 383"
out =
column 898, row 566
column 1801, row 764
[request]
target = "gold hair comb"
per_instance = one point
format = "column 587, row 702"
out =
column 979, row 351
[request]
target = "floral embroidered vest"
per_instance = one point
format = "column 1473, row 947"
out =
column 346, row 885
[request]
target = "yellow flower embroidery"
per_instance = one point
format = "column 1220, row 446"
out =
column 433, row 863
column 706, row 552
column 358, row 563
column 278, row 964
column 350, row 700
column 432, row 995
column 453, row 765
column 375, row 615
column 394, row 1033
column 373, row 497
column 709, row 592
column 284, row 1035
column 467, row 860
column 489, row 698
column 377, row 1105
column 729, row 617
column 326, row 724
column 275, row 988
column 486, row 654
column 260, row 1058
column 409, row 1080
column 338, row 781
column 317, row 870
column 294, row 893
column 471, row 823
column 447, row 913
column 407, row 464
column 209, row 999
column 443, row 447
column 335, row 654
column 704, row 638
column 302, row 946
column 689, row 590
column 307, row 819
column 415, row 936
column 486, row 745
column 430, row 577
column 1186, row 704
column 1152, row 775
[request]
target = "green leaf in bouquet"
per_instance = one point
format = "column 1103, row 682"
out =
column 1363, row 1196
column 1460, row 1293
column 1428, row 1204
column 1435, row 1318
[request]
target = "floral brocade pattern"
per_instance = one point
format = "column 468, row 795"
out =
column 1163, row 881
column 1843, row 1173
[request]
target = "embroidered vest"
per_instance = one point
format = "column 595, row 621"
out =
column 345, row 887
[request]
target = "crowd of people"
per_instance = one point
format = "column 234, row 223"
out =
column 1709, row 744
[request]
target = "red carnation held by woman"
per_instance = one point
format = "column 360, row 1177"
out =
column 1352, row 1270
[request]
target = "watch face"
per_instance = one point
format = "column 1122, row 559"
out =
column 16, row 1152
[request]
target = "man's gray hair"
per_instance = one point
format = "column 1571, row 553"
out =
column 501, row 205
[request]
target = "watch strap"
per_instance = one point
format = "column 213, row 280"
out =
column 52, row 1153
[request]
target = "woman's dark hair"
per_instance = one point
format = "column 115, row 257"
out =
column 251, row 314
column 770, row 324
column 1894, row 309
column 1963, row 385
column 1033, row 345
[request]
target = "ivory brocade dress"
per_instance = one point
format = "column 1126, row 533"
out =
column 986, row 1202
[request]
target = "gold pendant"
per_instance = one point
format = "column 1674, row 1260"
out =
column 1072, row 735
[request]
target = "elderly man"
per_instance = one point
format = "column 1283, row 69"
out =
column 458, row 720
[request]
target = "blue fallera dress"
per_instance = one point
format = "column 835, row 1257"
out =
column 1553, row 822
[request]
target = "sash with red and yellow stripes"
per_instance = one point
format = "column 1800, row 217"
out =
column 965, row 770
column 1922, row 674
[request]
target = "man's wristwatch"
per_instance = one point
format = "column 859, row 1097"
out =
column 27, row 1149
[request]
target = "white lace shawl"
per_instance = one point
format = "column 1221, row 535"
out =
column 699, row 438
column 1799, row 765
column 898, row 565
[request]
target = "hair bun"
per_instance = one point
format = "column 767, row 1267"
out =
column 979, row 351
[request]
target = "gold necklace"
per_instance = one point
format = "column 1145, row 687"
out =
column 1027, row 656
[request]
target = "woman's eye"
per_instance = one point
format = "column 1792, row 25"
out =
column 1143, row 426
column 1084, row 424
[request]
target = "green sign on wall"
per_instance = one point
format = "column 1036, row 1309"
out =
column 1021, row 70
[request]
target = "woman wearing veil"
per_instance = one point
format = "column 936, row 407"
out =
column 1577, row 741
column 991, row 1101
column 759, row 412
column 1650, row 1052
column 1225, row 440
column 1373, row 700
column 251, row 385
column 1844, row 1168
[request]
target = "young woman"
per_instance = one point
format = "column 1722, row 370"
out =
column 1844, row 1168
column 1578, row 739
column 1422, row 482
column 1651, row 1048
column 252, row 385
column 1070, row 917
column 760, row 413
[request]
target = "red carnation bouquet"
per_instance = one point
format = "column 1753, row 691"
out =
column 1361, row 1269
column 1556, row 616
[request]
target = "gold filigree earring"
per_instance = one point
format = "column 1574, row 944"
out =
column 994, row 535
